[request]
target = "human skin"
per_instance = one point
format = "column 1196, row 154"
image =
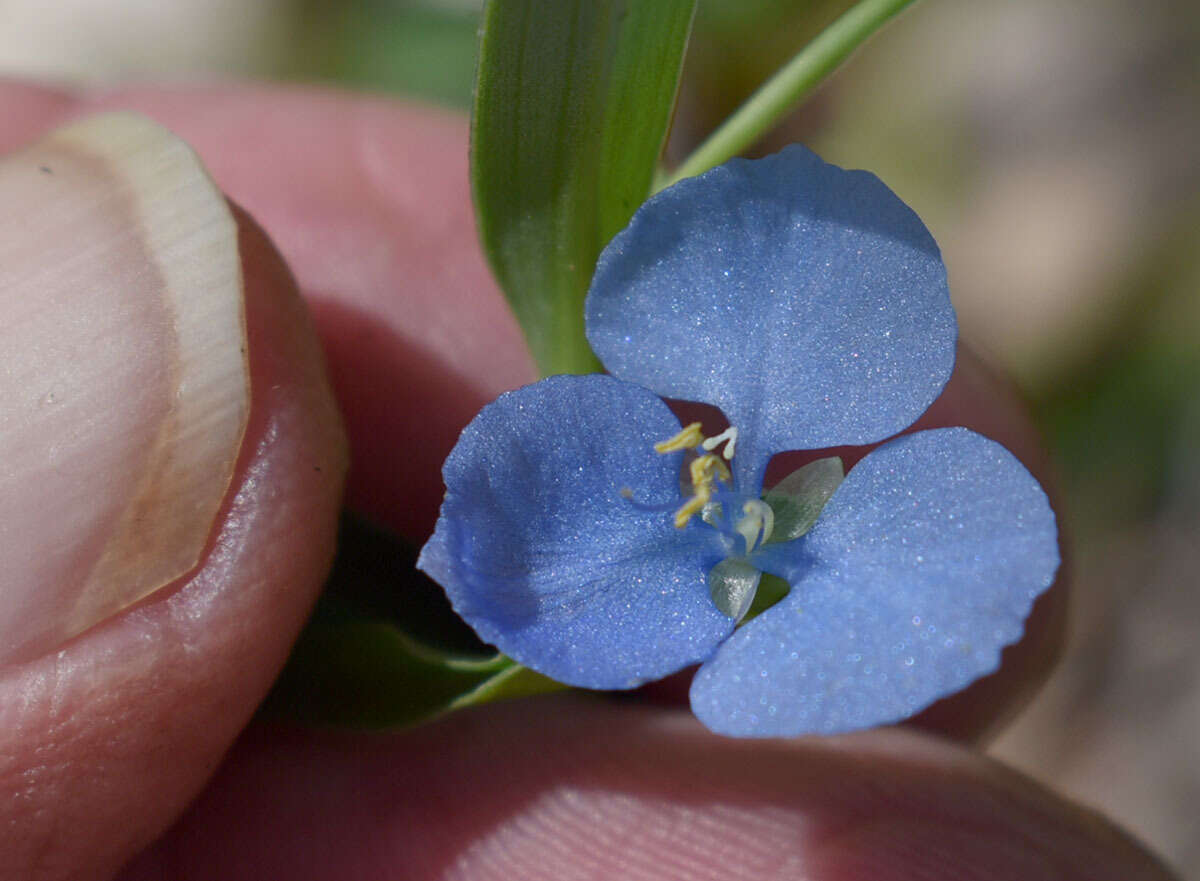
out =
column 130, row 751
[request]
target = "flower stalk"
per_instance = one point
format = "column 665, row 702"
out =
column 790, row 85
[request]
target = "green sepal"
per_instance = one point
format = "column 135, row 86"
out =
column 732, row 583
column 797, row 500
column 573, row 101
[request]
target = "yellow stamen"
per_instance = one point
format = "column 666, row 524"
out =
column 704, row 469
column 694, row 505
column 712, row 463
column 685, row 440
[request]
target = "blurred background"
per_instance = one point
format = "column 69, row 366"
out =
column 1051, row 146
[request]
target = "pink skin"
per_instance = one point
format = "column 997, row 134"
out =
column 367, row 200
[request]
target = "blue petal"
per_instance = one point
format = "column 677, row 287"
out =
column 542, row 555
column 807, row 302
column 922, row 567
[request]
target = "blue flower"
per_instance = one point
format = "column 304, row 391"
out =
column 810, row 305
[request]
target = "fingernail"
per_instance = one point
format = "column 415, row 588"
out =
column 124, row 389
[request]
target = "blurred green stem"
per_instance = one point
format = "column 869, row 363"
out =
column 790, row 85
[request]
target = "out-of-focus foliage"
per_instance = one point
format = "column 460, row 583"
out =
column 413, row 47
column 736, row 45
column 1117, row 423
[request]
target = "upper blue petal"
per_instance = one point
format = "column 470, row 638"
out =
column 541, row 554
column 807, row 302
column 922, row 567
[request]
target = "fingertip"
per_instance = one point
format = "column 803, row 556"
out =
column 29, row 109
column 564, row 787
column 374, row 216
column 109, row 735
column 368, row 200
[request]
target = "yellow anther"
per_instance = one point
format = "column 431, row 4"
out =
column 694, row 505
column 687, row 439
column 704, row 470
column 705, row 467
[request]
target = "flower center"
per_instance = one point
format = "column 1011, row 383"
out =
column 756, row 521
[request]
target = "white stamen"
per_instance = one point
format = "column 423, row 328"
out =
column 730, row 434
column 756, row 525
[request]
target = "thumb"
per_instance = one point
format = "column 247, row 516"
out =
column 170, row 470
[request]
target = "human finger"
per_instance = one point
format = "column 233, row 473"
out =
column 566, row 787
column 118, row 696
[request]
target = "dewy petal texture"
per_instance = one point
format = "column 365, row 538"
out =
column 541, row 553
column 922, row 567
column 807, row 302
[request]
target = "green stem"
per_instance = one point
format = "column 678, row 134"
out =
column 789, row 85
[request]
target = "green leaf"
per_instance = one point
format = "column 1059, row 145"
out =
column 351, row 670
column 383, row 647
column 356, row 671
column 375, row 574
column 512, row 682
column 572, row 105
